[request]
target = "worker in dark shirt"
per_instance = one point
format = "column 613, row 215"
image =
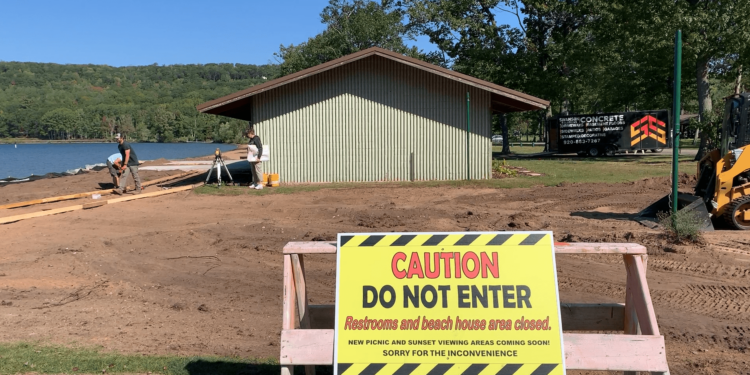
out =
column 255, row 148
column 129, row 165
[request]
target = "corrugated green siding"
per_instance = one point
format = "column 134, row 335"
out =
column 361, row 122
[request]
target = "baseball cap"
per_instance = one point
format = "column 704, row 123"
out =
column 118, row 136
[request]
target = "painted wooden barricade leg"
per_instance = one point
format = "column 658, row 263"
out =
column 298, row 267
column 631, row 318
column 640, row 349
column 288, row 306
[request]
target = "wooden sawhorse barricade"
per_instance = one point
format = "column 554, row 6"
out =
column 308, row 330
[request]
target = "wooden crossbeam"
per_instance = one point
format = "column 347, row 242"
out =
column 582, row 351
column 615, row 352
column 320, row 247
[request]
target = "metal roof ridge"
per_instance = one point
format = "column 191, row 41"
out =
column 373, row 51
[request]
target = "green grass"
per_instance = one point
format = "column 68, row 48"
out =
column 555, row 171
column 520, row 150
column 21, row 358
column 688, row 143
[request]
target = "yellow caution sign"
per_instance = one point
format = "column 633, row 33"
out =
column 447, row 303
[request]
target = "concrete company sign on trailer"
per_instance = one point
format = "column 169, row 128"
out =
column 447, row 303
column 628, row 130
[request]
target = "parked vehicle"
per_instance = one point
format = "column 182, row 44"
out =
column 497, row 139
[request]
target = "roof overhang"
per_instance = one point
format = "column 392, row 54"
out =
column 504, row 100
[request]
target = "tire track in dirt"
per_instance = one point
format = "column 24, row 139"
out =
column 720, row 301
column 737, row 331
column 677, row 266
column 698, row 268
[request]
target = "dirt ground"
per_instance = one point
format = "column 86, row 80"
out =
column 197, row 274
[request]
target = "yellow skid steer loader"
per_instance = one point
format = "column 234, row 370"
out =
column 723, row 189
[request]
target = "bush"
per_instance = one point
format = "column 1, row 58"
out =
column 684, row 226
column 500, row 167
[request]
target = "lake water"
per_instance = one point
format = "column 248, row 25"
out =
column 24, row 160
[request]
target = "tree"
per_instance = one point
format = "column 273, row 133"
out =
column 472, row 42
column 3, row 125
column 351, row 26
column 28, row 91
column 59, row 123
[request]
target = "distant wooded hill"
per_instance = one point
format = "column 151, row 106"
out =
column 150, row 103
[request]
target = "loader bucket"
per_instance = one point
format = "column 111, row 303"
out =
column 685, row 202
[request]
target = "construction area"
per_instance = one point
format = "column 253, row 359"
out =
column 187, row 269
column 188, row 273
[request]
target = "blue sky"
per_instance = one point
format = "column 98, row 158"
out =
column 136, row 32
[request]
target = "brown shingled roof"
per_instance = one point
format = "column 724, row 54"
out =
column 503, row 99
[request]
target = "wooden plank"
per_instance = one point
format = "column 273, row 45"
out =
column 54, row 199
column 15, row 218
column 641, row 295
column 10, row 219
column 89, row 193
column 100, row 203
column 327, row 247
column 615, row 352
column 575, row 316
column 310, row 247
column 153, row 194
column 582, row 351
column 287, row 310
column 598, row 248
column 306, row 347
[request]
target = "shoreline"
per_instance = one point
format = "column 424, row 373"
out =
column 92, row 167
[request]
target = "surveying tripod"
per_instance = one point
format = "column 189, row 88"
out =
column 218, row 163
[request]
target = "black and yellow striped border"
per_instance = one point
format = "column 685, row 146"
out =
column 445, row 369
column 483, row 239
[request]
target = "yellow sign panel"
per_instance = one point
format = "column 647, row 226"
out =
column 447, row 303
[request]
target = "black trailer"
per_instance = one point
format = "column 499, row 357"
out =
column 609, row 133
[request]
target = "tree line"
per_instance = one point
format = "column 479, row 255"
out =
column 585, row 56
column 149, row 103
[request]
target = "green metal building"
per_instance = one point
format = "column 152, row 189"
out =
column 375, row 115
